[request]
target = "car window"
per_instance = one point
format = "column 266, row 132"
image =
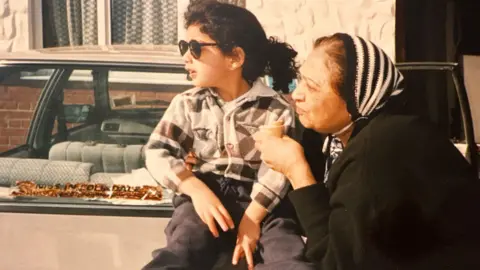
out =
column 432, row 95
column 144, row 90
column 20, row 90
column 89, row 135
column 78, row 100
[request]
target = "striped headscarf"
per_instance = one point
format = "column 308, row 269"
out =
column 371, row 79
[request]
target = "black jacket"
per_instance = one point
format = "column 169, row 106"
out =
column 400, row 196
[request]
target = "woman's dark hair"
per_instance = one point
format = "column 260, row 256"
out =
column 336, row 64
column 231, row 26
column 335, row 59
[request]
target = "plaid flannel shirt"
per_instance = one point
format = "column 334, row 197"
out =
column 221, row 137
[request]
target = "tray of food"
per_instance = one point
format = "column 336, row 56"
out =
column 87, row 192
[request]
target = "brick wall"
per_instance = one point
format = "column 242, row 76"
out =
column 16, row 109
column 18, row 103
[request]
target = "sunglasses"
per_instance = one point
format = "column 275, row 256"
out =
column 194, row 46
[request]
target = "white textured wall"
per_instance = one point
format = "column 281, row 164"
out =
column 297, row 21
column 300, row 22
column 14, row 25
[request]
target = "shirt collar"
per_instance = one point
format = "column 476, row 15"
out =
column 258, row 89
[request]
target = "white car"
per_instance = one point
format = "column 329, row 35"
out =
column 83, row 115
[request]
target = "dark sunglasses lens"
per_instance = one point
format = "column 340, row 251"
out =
column 183, row 46
column 195, row 49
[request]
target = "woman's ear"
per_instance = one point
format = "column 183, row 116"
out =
column 236, row 58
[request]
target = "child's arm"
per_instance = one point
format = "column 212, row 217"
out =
column 169, row 144
column 166, row 149
column 266, row 194
column 272, row 186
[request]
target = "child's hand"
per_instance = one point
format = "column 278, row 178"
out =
column 210, row 209
column 247, row 238
column 190, row 160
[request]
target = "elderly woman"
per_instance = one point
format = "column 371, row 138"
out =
column 392, row 193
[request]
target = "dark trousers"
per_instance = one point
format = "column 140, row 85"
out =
column 191, row 245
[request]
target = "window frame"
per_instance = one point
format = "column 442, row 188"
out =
column 466, row 117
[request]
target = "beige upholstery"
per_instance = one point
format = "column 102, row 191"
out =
column 106, row 158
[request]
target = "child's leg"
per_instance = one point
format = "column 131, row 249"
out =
column 280, row 245
column 190, row 244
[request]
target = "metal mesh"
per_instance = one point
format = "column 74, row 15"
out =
column 60, row 23
column 89, row 22
column 144, row 21
column 75, row 22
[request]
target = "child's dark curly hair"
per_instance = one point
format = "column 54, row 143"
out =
column 231, row 26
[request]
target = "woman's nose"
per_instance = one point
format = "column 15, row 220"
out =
column 297, row 94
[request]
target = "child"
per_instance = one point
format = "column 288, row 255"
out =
column 226, row 53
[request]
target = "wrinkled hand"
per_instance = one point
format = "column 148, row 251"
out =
column 210, row 209
column 247, row 238
column 280, row 154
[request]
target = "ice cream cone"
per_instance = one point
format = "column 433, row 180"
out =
column 274, row 129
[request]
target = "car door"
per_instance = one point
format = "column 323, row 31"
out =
column 446, row 106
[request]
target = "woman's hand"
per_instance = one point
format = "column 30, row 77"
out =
column 281, row 154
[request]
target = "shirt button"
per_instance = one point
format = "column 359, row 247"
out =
column 236, row 167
